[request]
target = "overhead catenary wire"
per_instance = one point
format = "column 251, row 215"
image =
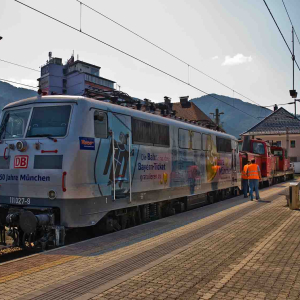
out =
column 280, row 32
column 8, row 62
column 5, row 80
column 165, row 51
column 18, row 65
column 291, row 21
column 289, row 103
column 129, row 55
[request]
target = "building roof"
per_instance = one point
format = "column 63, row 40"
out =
column 276, row 123
column 76, row 71
column 84, row 63
column 193, row 113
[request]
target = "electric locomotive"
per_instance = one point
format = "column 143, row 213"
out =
column 69, row 162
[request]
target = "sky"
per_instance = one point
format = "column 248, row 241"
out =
column 234, row 41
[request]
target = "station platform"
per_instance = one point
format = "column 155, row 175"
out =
column 234, row 249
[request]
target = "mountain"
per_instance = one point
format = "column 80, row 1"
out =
column 233, row 121
column 10, row 93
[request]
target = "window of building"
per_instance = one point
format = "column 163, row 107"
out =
column 223, row 145
column 206, row 142
column 293, row 144
column 258, row 148
column 196, row 141
column 161, row 136
column 184, row 138
column 95, row 71
column 278, row 143
column 100, row 124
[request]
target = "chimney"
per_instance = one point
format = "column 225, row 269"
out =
column 167, row 100
column 275, row 107
column 168, row 105
column 184, row 101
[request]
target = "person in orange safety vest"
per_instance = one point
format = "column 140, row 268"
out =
column 245, row 179
column 254, row 175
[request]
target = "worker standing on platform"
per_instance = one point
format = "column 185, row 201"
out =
column 245, row 179
column 254, row 176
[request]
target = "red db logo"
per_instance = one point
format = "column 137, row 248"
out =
column 21, row 162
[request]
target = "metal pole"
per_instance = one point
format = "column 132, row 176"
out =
column 129, row 161
column 217, row 116
column 113, row 157
column 287, row 142
column 293, row 58
column 293, row 55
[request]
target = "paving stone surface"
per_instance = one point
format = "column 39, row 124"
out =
column 234, row 249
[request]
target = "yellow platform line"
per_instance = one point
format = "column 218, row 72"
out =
column 38, row 269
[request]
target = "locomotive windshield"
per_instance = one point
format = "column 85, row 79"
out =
column 14, row 123
column 258, row 148
column 49, row 121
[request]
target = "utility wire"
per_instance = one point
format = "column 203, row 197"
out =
column 280, row 104
column 18, row 83
column 129, row 55
column 18, row 65
column 280, row 32
column 8, row 62
column 167, row 52
column 291, row 21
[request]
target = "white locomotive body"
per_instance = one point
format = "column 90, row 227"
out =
column 74, row 162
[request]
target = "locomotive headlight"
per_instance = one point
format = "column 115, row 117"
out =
column 21, row 146
column 52, row 195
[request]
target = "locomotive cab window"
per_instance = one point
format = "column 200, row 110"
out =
column 223, row 145
column 100, row 124
column 14, row 123
column 258, row 148
column 49, row 121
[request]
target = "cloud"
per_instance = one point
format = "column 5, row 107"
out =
column 215, row 57
column 236, row 60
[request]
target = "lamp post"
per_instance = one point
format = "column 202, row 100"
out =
column 293, row 92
